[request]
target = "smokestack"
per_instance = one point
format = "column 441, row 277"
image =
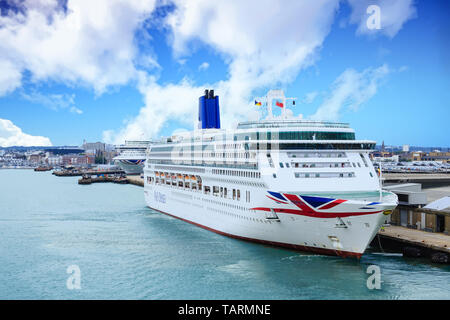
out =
column 208, row 110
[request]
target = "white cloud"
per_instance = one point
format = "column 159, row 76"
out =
column 310, row 97
column 203, row 66
column 10, row 77
column 91, row 43
column 11, row 135
column 51, row 101
column 264, row 43
column 174, row 101
column 393, row 15
column 74, row 109
column 350, row 90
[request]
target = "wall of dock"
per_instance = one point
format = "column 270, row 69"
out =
column 419, row 220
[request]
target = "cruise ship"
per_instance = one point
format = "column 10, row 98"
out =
column 301, row 184
column 132, row 156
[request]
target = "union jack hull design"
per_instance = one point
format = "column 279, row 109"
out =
column 318, row 207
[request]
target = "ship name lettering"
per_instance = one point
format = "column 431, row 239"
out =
column 159, row 197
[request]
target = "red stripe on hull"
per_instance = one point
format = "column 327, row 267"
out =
column 316, row 214
column 328, row 252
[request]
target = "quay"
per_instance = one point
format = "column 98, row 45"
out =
column 73, row 173
column 414, row 243
column 136, row 180
column 88, row 179
column 420, row 225
column 43, row 169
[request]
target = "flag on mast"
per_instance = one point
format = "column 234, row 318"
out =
column 279, row 104
column 258, row 103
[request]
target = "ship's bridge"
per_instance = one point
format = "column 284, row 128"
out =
column 286, row 123
column 295, row 130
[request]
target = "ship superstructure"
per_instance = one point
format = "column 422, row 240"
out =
column 307, row 185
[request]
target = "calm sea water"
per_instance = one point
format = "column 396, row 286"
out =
column 126, row 251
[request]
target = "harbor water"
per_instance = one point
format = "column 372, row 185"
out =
column 124, row 250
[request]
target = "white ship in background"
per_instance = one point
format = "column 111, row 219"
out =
column 306, row 185
column 132, row 156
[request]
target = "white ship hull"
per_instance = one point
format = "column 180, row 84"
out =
column 136, row 167
column 344, row 230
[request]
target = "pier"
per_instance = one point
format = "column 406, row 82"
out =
column 74, row 173
column 418, row 227
column 136, row 180
column 43, row 169
column 414, row 243
column 120, row 179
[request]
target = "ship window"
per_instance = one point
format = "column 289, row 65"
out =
column 274, row 175
column 287, row 165
column 297, row 175
column 281, row 165
column 363, row 159
column 371, row 174
column 359, row 164
column 238, row 195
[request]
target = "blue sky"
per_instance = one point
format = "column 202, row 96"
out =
column 136, row 70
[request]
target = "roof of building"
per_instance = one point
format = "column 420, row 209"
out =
column 440, row 204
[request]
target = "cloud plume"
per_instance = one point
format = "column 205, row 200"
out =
column 349, row 91
column 260, row 52
column 12, row 135
column 87, row 42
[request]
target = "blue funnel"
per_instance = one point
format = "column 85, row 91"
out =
column 208, row 110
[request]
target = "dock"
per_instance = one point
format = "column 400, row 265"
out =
column 74, row 173
column 96, row 178
column 43, row 169
column 136, row 180
column 414, row 243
